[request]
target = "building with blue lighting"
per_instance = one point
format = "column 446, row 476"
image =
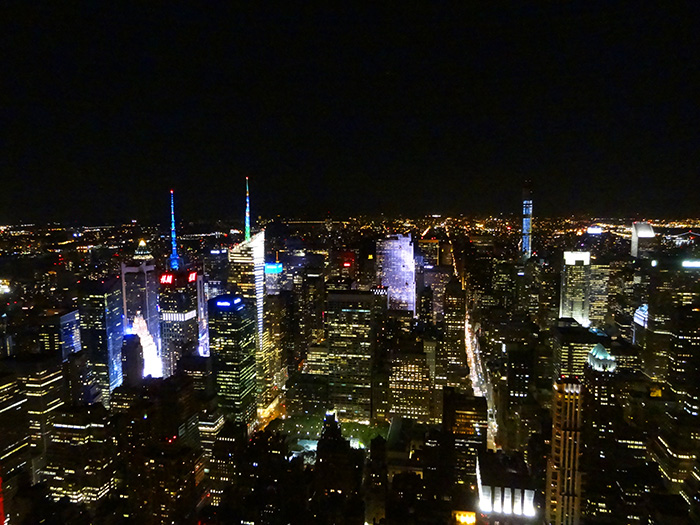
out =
column 102, row 331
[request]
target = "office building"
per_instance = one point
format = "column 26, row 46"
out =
column 410, row 384
column 40, row 380
column 140, row 292
column 232, row 329
column 396, row 269
column 563, row 488
column 351, row 338
column 247, row 278
column 455, row 319
column 575, row 287
column 132, row 361
column 80, row 458
column 14, row 438
column 180, row 294
column 465, row 418
column 70, row 333
column 102, row 331
column 643, row 239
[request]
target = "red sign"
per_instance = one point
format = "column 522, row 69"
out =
column 166, row 278
column 347, row 264
column 192, row 277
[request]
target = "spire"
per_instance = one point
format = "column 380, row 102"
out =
column 247, row 211
column 174, row 257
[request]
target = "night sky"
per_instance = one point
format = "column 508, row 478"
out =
column 347, row 110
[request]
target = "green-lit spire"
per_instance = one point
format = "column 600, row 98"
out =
column 247, row 211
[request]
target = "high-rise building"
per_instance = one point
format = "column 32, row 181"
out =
column 102, row 331
column 40, row 378
column 455, row 319
column 140, row 292
column 247, row 278
column 575, row 287
column 598, row 293
column 14, row 438
column 436, row 279
column 684, row 357
column 527, row 223
column 351, row 337
column 563, row 489
column 571, row 344
column 465, row 417
column 80, row 458
column 132, row 361
column 81, row 385
column 396, row 269
column 180, row 294
column 409, row 384
column 232, row 337
column 70, row 333
column 643, row 238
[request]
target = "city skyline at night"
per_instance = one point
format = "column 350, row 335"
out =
column 350, row 265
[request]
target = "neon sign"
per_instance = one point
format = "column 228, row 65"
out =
column 192, row 277
column 166, row 278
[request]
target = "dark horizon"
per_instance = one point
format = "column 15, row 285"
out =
column 349, row 111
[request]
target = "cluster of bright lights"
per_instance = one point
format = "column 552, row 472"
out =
column 152, row 364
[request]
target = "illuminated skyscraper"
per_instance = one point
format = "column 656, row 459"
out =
column 396, row 269
column 598, row 293
column 183, row 311
column 351, row 336
column 643, row 237
column 575, row 287
column 80, row 458
column 232, row 337
column 174, row 261
column 466, row 419
column 180, row 294
column 455, row 318
column 14, row 438
column 247, row 277
column 140, row 292
column 563, row 490
column 40, row 378
column 527, row 223
column 102, row 331
column 409, row 385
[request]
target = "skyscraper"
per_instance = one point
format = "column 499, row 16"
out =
column 642, row 239
column 180, row 293
column 232, row 330
column 465, row 417
column 40, row 378
column 80, row 458
column 527, row 223
column 396, row 269
column 140, row 292
column 455, row 318
column 575, row 287
column 14, row 438
column 563, row 489
column 132, row 361
column 350, row 332
column 102, row 330
column 247, row 277
column 183, row 312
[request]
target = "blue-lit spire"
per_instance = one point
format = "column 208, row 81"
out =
column 174, row 257
column 247, row 211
